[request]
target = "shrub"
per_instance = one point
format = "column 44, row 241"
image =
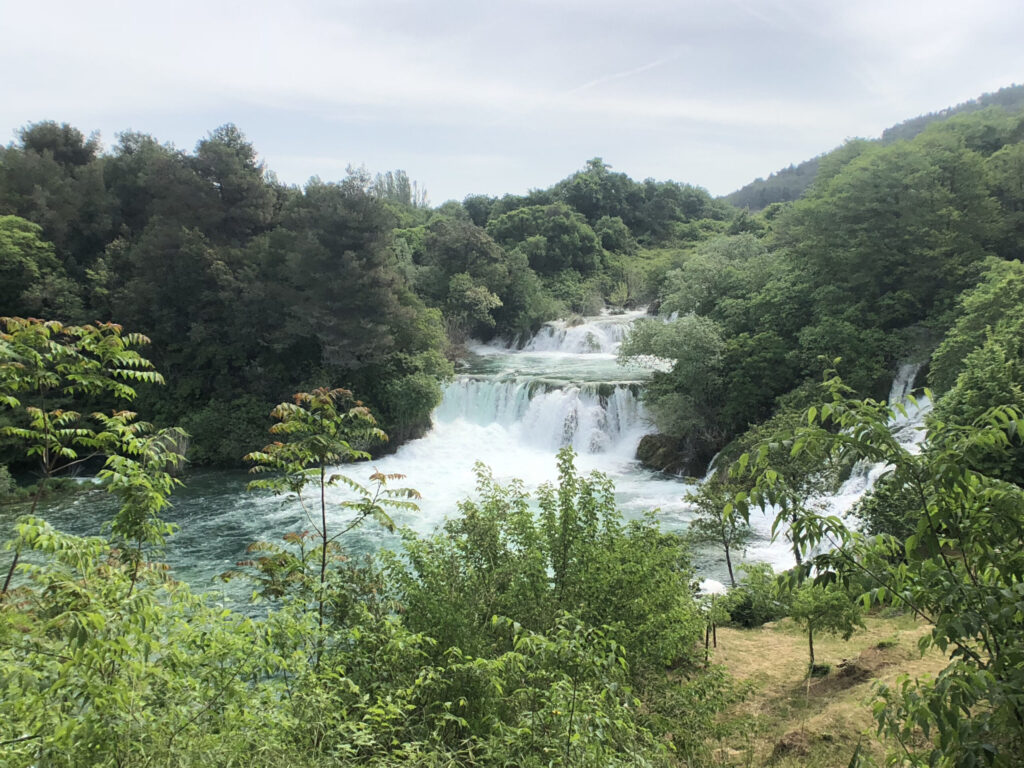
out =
column 757, row 599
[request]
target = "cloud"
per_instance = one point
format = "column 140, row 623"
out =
column 512, row 88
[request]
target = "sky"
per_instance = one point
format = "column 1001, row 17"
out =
column 492, row 96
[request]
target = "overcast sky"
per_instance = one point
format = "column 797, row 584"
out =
column 487, row 96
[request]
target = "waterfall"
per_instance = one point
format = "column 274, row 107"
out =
column 597, row 335
column 908, row 428
column 592, row 418
column 581, row 339
column 903, row 383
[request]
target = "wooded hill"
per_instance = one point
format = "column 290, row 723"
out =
column 790, row 183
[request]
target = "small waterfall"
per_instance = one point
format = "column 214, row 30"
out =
column 592, row 418
column 908, row 430
column 587, row 338
column 581, row 336
column 903, row 383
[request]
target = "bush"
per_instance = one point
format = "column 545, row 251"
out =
column 577, row 556
column 223, row 432
column 757, row 599
column 888, row 508
column 6, row 483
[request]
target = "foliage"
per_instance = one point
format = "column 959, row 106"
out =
column 683, row 400
column 992, row 306
column 713, row 525
column 317, row 431
column 97, row 673
column 43, row 365
column 826, row 609
column 248, row 289
column 553, row 237
column 32, row 281
column 959, row 570
column 757, row 599
column 993, row 376
column 980, row 362
column 498, row 558
column 791, row 183
column 7, row 484
column 106, row 661
column 887, row 509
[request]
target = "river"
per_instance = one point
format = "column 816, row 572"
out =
column 511, row 409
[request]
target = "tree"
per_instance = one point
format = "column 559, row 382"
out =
column 555, row 237
column 64, row 143
column 713, row 525
column 757, row 598
column 576, row 556
column 240, row 200
column 825, row 609
column 318, row 430
column 684, row 400
column 32, row 280
column 55, row 180
column 469, row 306
column 44, row 366
column 993, row 375
column 960, row 570
column 992, row 306
column 397, row 187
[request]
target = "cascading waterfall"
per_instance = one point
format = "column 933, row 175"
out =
column 579, row 336
column 511, row 409
column 605, row 335
column 908, row 430
column 592, row 418
column 907, row 427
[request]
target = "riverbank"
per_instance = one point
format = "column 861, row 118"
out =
column 788, row 720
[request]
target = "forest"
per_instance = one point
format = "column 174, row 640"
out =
column 191, row 301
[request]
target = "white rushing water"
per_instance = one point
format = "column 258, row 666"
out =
column 908, row 428
column 513, row 409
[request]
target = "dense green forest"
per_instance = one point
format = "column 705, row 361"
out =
column 198, row 291
column 251, row 289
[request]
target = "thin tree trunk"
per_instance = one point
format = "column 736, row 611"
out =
column 323, row 550
column 810, row 645
column 10, row 573
column 728, row 564
column 796, row 548
column 17, row 551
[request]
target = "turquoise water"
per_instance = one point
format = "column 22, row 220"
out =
column 512, row 409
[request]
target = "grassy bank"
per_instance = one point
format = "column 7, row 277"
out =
column 788, row 719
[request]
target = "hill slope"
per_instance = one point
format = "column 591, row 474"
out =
column 790, row 183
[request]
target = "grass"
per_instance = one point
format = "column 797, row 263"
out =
column 791, row 719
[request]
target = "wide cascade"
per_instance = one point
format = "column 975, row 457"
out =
column 511, row 408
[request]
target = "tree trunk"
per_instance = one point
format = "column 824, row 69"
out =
column 17, row 552
column 796, row 548
column 810, row 645
column 323, row 550
column 728, row 564
column 10, row 573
